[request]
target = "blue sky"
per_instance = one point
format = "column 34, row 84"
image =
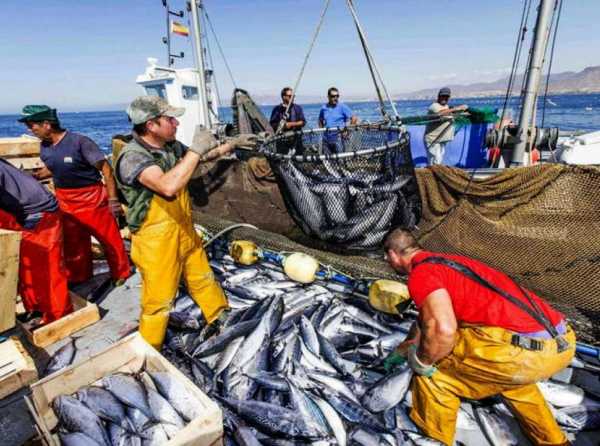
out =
column 85, row 54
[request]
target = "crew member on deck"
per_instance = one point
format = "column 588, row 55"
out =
column 26, row 206
column 332, row 115
column 285, row 119
column 441, row 131
column 77, row 167
column 153, row 172
column 479, row 334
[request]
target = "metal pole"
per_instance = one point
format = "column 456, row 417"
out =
column 166, row 4
column 199, row 53
column 534, row 72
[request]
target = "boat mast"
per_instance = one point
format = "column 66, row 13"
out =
column 199, row 56
column 534, row 72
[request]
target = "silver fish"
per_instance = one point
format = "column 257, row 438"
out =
column 495, row 428
column 76, row 417
column 76, row 439
column 165, row 412
column 388, row 392
column 62, row 358
column 128, row 391
column 105, row 405
column 561, row 395
column 176, row 394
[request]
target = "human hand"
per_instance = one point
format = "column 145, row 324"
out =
column 203, row 141
column 246, row 141
column 461, row 108
column 417, row 366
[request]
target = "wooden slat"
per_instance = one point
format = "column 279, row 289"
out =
column 21, row 146
column 16, row 367
column 84, row 314
column 127, row 355
column 26, row 163
column 10, row 242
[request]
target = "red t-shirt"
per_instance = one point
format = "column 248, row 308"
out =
column 472, row 302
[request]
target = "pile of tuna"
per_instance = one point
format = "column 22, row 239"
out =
column 148, row 408
column 303, row 364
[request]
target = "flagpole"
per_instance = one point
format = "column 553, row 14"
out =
column 198, row 51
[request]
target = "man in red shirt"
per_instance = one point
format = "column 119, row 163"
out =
column 478, row 334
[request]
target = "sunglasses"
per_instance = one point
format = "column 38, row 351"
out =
column 333, row 96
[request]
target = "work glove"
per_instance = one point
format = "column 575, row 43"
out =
column 418, row 367
column 392, row 361
column 115, row 207
column 246, row 141
column 203, row 141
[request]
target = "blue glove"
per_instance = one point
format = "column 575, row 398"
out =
column 418, row 367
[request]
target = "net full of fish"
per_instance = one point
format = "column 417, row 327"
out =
column 303, row 364
column 146, row 408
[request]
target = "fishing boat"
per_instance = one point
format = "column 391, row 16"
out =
column 516, row 218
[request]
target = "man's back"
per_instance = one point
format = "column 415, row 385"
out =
column 473, row 303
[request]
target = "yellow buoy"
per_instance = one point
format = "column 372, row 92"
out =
column 244, row 252
column 389, row 296
column 301, row 267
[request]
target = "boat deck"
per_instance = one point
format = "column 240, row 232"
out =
column 119, row 310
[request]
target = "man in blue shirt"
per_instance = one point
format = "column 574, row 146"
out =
column 293, row 120
column 334, row 115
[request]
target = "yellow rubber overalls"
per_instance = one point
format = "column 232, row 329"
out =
column 482, row 364
column 163, row 249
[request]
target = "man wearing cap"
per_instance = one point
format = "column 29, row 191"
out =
column 440, row 131
column 89, row 207
column 153, row 171
column 26, row 206
column 479, row 334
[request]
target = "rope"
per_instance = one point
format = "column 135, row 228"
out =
column 220, row 49
column 310, row 48
column 517, row 55
column 371, row 63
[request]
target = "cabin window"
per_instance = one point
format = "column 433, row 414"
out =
column 156, row 90
column 189, row 93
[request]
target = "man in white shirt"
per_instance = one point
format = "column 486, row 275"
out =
column 440, row 131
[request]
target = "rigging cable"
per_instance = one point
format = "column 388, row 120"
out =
column 372, row 65
column 281, row 125
column 517, row 55
column 560, row 5
column 220, row 48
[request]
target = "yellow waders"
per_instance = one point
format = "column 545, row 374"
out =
column 164, row 248
column 482, row 364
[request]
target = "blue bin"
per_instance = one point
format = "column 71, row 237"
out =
column 465, row 150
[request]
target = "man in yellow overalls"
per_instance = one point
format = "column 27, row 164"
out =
column 479, row 334
column 153, row 171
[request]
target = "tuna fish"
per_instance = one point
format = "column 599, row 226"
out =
column 76, row 417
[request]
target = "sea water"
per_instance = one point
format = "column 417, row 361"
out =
column 579, row 113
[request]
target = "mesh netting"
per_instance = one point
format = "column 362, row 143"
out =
column 346, row 187
column 538, row 224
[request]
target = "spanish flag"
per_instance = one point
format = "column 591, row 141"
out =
column 178, row 28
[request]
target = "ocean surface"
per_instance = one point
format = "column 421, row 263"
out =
column 568, row 112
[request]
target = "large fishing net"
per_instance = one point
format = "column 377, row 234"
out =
column 538, row 224
column 346, row 187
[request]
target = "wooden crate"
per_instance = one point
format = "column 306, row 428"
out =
column 127, row 355
column 10, row 242
column 17, row 369
column 84, row 314
column 22, row 146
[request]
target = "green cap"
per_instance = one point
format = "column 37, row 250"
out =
column 144, row 108
column 38, row 113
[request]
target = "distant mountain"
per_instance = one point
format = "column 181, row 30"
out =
column 585, row 81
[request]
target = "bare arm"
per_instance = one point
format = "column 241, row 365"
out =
column 109, row 178
column 354, row 120
column 42, row 173
column 294, row 124
column 438, row 327
column 448, row 111
column 168, row 184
